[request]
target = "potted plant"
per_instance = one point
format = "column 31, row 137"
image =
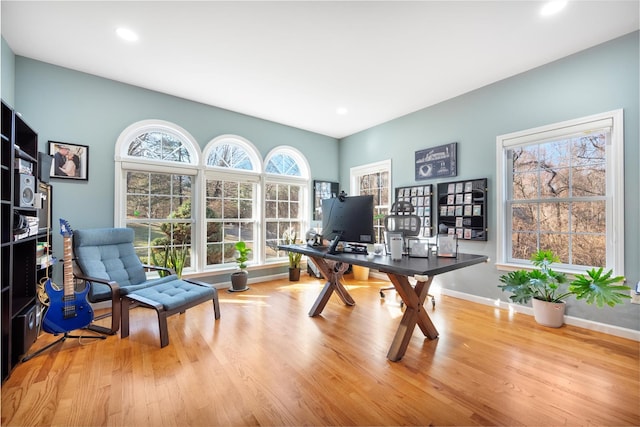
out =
column 239, row 278
column 174, row 258
column 545, row 287
column 290, row 238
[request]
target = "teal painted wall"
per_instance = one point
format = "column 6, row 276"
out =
column 596, row 80
column 7, row 73
column 70, row 106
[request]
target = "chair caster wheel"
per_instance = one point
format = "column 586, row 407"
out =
column 381, row 294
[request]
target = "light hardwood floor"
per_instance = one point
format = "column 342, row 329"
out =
column 266, row 363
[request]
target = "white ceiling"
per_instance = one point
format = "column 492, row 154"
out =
column 296, row 62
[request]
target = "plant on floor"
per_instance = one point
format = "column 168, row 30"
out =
column 290, row 237
column 545, row 284
column 239, row 278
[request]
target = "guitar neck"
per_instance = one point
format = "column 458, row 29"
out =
column 68, row 268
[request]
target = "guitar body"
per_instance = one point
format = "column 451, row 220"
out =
column 66, row 312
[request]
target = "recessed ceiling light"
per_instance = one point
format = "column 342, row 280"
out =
column 126, row 34
column 342, row 111
column 552, row 7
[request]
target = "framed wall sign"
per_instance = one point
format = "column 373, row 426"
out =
column 437, row 162
column 70, row 161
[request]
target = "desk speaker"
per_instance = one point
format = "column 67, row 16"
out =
column 25, row 191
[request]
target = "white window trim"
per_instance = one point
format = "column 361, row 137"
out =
column 356, row 171
column 615, row 181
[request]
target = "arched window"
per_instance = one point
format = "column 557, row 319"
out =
column 286, row 201
column 156, row 170
column 232, row 177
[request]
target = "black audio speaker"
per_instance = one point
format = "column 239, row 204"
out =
column 25, row 330
column 25, row 191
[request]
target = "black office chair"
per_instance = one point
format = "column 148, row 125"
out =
column 402, row 220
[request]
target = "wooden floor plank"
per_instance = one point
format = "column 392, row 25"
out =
column 266, row 363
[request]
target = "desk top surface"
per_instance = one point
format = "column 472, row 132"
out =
column 407, row 266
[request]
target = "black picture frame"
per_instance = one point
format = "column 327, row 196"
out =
column 322, row 190
column 437, row 162
column 72, row 164
column 465, row 216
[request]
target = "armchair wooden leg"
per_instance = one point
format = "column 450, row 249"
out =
column 216, row 304
column 164, row 329
column 124, row 328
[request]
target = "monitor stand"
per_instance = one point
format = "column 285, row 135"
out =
column 334, row 244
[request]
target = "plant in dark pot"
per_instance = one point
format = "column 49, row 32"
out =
column 290, row 237
column 239, row 278
column 548, row 289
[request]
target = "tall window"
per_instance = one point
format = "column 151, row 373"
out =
column 173, row 196
column 286, row 204
column 563, row 191
column 374, row 179
column 156, row 171
column 231, row 181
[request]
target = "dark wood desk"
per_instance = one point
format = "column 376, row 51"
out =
column 423, row 270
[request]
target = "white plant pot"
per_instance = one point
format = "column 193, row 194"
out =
column 549, row 314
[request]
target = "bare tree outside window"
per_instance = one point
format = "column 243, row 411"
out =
column 558, row 198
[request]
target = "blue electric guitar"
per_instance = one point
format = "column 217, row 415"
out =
column 68, row 310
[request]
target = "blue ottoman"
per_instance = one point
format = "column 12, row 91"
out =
column 167, row 299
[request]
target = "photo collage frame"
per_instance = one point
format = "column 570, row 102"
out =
column 462, row 209
column 420, row 198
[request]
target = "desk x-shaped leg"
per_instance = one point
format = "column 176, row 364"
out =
column 333, row 271
column 413, row 299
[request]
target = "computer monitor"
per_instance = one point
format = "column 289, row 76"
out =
column 348, row 219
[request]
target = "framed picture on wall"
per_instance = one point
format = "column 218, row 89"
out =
column 70, row 161
column 437, row 162
column 322, row 190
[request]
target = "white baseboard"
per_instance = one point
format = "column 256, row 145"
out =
column 569, row 320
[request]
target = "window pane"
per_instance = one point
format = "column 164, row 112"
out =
column 554, row 182
column 283, row 164
column 138, row 206
column 588, row 217
column 137, row 182
column 524, row 217
column 558, row 243
column 524, row 245
column 159, row 146
column 554, row 217
column 230, row 156
column 589, row 250
column 525, row 159
column 160, row 206
column 589, row 181
column 526, row 186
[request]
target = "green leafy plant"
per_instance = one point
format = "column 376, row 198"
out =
column 545, row 284
column 242, row 254
column 174, row 258
column 290, row 238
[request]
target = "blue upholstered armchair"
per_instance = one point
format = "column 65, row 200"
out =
column 106, row 258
